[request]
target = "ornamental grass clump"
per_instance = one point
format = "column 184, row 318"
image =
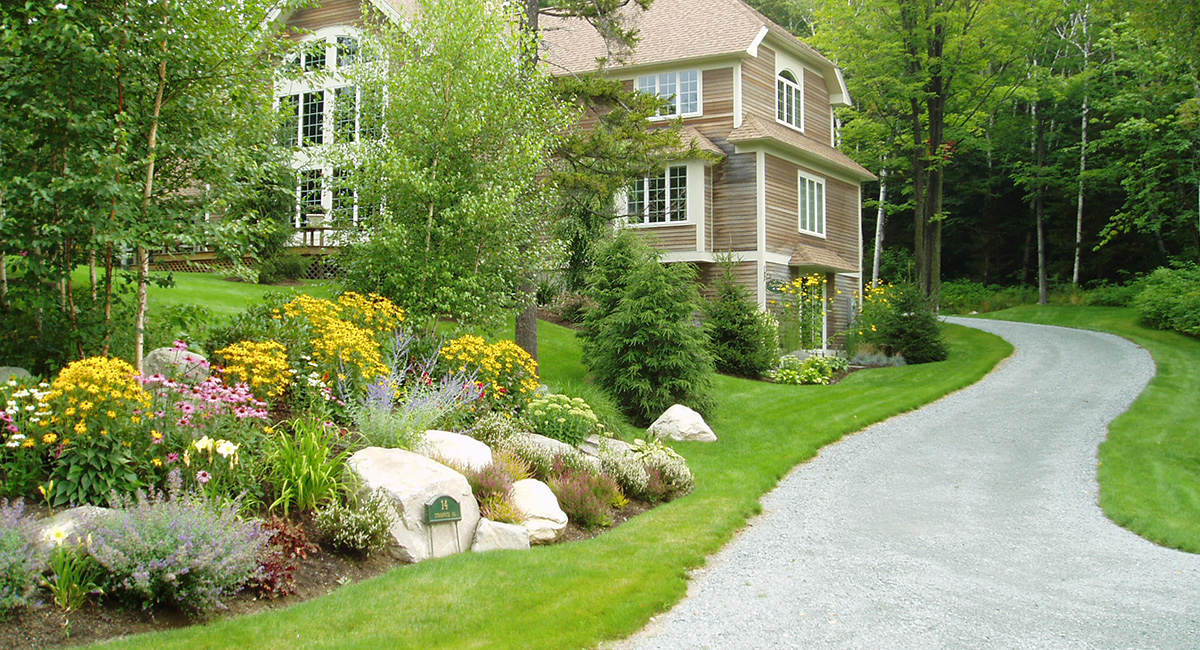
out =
column 505, row 372
column 176, row 549
column 304, row 469
column 568, row 419
column 20, row 564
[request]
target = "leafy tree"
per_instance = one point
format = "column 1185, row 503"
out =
column 467, row 129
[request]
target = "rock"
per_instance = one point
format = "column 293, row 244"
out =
column 455, row 448
column 8, row 373
column 174, row 363
column 66, row 526
column 495, row 536
column 543, row 518
column 555, row 447
column 682, row 423
column 594, row 444
column 410, row 481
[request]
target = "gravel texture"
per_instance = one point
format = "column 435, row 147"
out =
column 971, row 523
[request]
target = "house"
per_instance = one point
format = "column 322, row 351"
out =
column 779, row 198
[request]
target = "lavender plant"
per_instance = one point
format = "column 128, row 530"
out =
column 19, row 558
column 176, row 548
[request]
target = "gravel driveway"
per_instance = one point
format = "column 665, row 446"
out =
column 971, row 523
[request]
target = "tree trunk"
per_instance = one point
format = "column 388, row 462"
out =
column 143, row 255
column 1083, row 142
column 525, row 331
column 1039, row 204
column 880, row 222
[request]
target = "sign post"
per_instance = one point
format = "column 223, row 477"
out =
column 443, row 509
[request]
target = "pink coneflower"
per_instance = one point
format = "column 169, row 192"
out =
column 172, row 457
column 181, row 345
column 13, row 428
column 203, row 477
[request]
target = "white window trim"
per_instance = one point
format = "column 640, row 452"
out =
column 799, row 86
column 699, row 93
column 800, row 184
column 327, row 178
column 694, row 205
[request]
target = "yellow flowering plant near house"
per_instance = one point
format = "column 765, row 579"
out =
column 506, row 374
column 801, row 307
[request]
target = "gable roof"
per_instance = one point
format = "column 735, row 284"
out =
column 756, row 129
column 677, row 31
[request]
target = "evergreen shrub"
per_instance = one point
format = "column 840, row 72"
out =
column 741, row 339
column 899, row 320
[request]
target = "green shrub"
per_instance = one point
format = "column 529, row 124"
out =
column 357, row 524
column 284, row 266
column 899, row 320
column 19, row 566
column 742, row 339
column 812, row 370
column 643, row 347
column 668, row 476
column 626, row 468
column 568, row 419
column 1171, row 300
column 1107, row 294
column 965, row 296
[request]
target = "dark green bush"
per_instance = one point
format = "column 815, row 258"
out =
column 965, row 296
column 642, row 345
column 1171, row 299
column 899, row 320
column 741, row 339
column 1108, row 294
column 284, row 266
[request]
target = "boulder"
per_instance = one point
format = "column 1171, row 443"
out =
column 543, row 518
column 682, row 423
column 594, row 444
column 174, row 363
column 410, row 481
column 67, row 527
column 555, row 447
column 9, row 373
column 456, row 449
column 495, row 536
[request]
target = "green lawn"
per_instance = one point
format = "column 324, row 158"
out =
column 576, row 595
column 223, row 297
column 1150, row 463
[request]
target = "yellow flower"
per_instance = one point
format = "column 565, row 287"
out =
column 157, row 462
column 81, row 428
column 111, row 413
column 49, row 438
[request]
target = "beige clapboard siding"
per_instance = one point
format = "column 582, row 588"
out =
column 758, row 83
column 329, row 13
column 670, row 238
column 783, row 212
column 818, row 121
column 745, row 273
column 734, row 197
column 717, row 88
column 843, row 304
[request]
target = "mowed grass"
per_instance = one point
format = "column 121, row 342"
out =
column 1150, row 464
column 223, row 297
column 577, row 595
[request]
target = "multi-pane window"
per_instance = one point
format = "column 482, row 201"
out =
column 680, row 89
column 289, row 120
column 343, row 198
column 310, row 196
column 312, row 118
column 313, row 56
column 789, row 99
column 347, row 51
column 658, row 199
column 345, row 114
column 812, row 205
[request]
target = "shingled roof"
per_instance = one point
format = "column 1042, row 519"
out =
column 755, row 129
column 671, row 30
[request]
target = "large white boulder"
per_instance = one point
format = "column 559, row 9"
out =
column 682, row 423
column 410, row 481
column 544, row 519
column 174, row 363
column 495, row 536
column 8, row 373
column 455, row 448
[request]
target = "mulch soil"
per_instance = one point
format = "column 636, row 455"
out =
column 46, row 626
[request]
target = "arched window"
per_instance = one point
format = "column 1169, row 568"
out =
column 790, row 99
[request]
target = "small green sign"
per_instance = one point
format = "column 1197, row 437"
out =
column 441, row 509
column 776, row 286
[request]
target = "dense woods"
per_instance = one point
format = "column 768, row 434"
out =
column 1018, row 141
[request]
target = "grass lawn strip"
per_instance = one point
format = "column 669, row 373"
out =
column 577, row 595
column 1150, row 464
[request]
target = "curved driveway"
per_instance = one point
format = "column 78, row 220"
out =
column 971, row 523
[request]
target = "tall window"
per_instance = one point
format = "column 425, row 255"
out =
column 681, row 89
column 345, row 114
column 289, row 120
column 812, row 205
column 789, row 98
column 310, row 192
column 658, row 199
column 313, row 56
column 347, row 51
column 312, row 118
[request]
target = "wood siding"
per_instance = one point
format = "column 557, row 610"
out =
column 758, row 84
column 330, row 13
column 818, row 120
column 735, row 223
column 841, row 309
column 783, row 212
column 670, row 238
column 746, row 274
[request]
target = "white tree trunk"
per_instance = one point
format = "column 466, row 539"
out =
column 880, row 221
